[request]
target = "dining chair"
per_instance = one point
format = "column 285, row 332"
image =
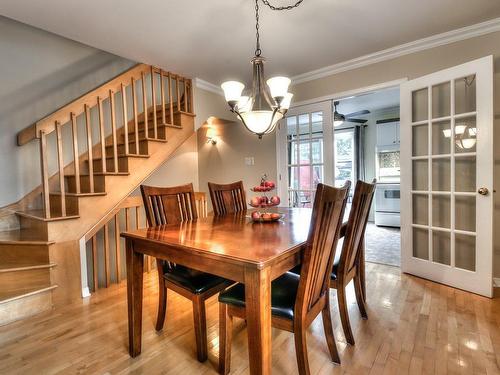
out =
column 227, row 198
column 173, row 205
column 349, row 264
column 296, row 300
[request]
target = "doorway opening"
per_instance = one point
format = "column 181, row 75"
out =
column 366, row 147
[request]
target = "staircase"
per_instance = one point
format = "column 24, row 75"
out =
column 94, row 152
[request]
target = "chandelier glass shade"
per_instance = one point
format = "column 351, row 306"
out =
column 465, row 136
column 268, row 101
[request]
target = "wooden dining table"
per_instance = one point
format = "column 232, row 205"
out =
column 230, row 246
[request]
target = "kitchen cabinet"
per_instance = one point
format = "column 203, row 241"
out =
column 388, row 134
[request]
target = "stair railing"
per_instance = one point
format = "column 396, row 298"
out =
column 105, row 140
column 108, row 255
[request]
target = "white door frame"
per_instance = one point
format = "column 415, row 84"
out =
column 480, row 281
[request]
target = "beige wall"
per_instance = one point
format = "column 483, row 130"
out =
column 225, row 161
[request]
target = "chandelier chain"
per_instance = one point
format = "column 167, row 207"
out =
column 258, row 51
column 286, row 7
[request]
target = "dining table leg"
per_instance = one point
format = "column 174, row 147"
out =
column 258, row 314
column 135, row 269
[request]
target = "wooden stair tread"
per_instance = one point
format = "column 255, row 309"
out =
column 40, row 215
column 22, row 237
column 101, row 174
column 111, row 157
column 94, row 194
column 11, row 267
column 22, row 293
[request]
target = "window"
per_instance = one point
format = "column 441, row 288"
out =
column 305, row 156
column 345, row 156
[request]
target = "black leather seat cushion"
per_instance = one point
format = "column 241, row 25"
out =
column 335, row 267
column 283, row 295
column 195, row 281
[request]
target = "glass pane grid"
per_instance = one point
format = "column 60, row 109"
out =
column 449, row 189
column 305, row 157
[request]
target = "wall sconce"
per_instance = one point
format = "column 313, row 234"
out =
column 211, row 137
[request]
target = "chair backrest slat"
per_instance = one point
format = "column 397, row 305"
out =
column 324, row 230
column 356, row 225
column 227, row 198
column 169, row 205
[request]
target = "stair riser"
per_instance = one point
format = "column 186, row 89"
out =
column 25, row 307
column 142, row 135
column 37, row 226
column 99, row 184
column 143, row 148
column 110, row 165
column 56, row 205
column 21, row 255
column 17, row 281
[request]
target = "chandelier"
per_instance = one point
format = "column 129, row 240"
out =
column 267, row 104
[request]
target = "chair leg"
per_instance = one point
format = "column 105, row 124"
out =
column 162, row 298
column 344, row 314
column 330, row 338
column 200, row 328
column 301, row 349
column 225, row 336
column 358, row 288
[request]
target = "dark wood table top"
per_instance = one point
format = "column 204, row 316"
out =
column 234, row 236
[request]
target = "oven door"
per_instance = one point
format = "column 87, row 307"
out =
column 388, row 198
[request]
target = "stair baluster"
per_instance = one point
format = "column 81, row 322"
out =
column 125, row 119
column 118, row 260
column 170, row 99
column 162, row 91
column 185, row 95
column 113, row 129
column 102, row 134
column 60, row 163
column 153, row 97
column 145, row 105
column 89, row 148
column 76, row 154
column 45, row 174
column 136, row 123
column 178, row 93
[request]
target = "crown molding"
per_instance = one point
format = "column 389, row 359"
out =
column 208, row 86
column 437, row 40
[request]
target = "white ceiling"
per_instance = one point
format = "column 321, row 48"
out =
column 214, row 39
column 372, row 101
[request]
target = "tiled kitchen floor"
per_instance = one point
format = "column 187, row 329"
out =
column 382, row 245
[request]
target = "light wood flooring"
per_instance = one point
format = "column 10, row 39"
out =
column 414, row 327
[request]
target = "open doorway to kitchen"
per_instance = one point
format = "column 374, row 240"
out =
column 366, row 147
column 335, row 140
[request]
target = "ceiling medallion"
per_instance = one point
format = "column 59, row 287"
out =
column 267, row 104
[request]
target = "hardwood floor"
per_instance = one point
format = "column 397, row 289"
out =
column 414, row 327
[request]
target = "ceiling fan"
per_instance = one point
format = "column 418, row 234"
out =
column 339, row 118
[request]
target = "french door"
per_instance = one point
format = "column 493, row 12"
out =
column 447, row 176
column 304, row 139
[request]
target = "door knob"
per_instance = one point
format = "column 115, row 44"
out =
column 483, row 191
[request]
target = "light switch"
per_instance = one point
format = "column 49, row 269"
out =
column 249, row 160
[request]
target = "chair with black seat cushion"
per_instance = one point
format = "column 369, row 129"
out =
column 227, row 198
column 173, row 205
column 349, row 264
column 296, row 300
